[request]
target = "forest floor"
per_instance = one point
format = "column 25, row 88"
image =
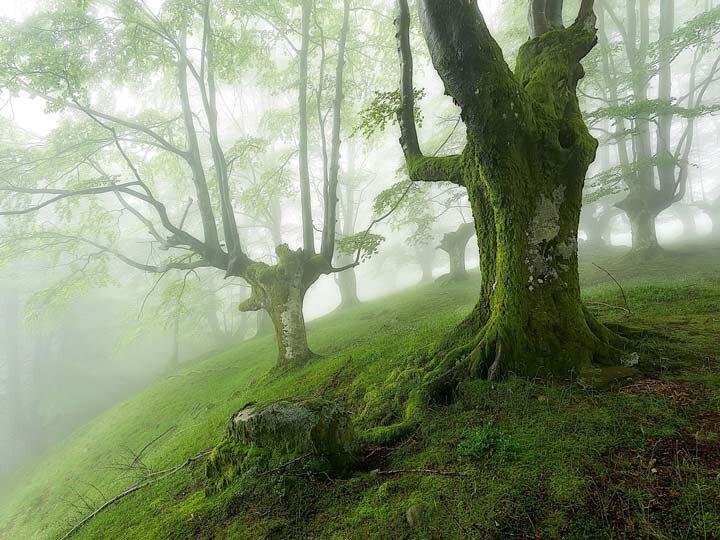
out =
column 516, row 459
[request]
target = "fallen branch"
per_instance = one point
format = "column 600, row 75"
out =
column 603, row 304
column 150, row 479
column 627, row 306
column 418, row 471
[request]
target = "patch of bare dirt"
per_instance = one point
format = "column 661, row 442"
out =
column 679, row 391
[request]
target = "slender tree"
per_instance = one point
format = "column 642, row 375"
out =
column 82, row 50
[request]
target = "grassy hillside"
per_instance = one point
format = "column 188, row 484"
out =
column 515, row 459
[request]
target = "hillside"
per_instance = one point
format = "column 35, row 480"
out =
column 516, row 459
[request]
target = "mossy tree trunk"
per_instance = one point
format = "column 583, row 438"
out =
column 524, row 167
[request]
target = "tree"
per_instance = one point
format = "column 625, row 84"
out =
column 524, row 164
column 347, row 281
column 655, row 167
column 454, row 244
column 76, row 64
column 12, row 406
column 712, row 209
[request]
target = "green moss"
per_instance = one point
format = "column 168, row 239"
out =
column 567, row 439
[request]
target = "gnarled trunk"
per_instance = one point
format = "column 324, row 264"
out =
column 537, row 325
column 454, row 244
column 280, row 291
column 289, row 323
column 644, row 236
column 524, row 167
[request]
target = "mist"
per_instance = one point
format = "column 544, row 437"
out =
column 186, row 179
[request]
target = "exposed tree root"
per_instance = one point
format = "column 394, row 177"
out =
column 490, row 355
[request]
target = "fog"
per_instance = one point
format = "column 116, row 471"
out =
column 111, row 178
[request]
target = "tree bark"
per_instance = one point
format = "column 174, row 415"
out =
column 280, row 291
column 644, row 237
column 304, row 171
column 524, row 167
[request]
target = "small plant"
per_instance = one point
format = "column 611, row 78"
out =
column 487, row 441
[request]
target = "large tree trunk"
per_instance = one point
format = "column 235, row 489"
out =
column 644, row 237
column 524, row 167
column 280, row 290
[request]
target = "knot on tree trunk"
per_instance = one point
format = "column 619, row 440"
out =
column 314, row 434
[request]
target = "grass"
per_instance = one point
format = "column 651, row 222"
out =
column 532, row 458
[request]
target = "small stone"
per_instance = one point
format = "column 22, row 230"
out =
column 414, row 515
column 540, row 281
column 531, row 288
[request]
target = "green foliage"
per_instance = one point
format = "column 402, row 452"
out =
column 650, row 109
column 696, row 32
column 366, row 243
column 382, row 111
column 409, row 205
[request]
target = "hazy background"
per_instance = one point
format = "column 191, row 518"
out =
column 83, row 337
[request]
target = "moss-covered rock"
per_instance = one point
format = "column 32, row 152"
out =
column 262, row 438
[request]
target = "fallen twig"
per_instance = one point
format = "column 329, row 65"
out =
column 603, row 304
column 418, row 471
column 286, row 465
column 627, row 306
column 150, row 479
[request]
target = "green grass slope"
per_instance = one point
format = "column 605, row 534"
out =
column 516, row 459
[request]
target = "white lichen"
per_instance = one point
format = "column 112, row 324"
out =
column 546, row 257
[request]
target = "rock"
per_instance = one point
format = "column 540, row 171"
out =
column 315, row 435
column 312, row 426
column 415, row 515
column 607, row 376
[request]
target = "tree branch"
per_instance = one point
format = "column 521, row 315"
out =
column 420, row 168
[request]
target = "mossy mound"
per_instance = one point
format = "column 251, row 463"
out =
column 265, row 438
